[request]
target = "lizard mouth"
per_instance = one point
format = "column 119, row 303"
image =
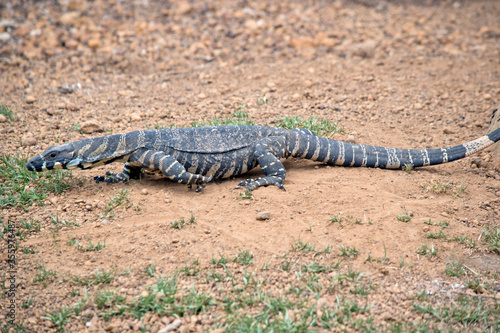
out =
column 38, row 166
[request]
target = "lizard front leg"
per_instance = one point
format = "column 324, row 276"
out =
column 169, row 166
column 129, row 172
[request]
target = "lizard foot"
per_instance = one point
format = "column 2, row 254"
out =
column 252, row 184
column 111, row 177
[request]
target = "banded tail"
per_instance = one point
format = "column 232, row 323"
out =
column 356, row 155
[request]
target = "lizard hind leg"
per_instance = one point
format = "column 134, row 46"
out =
column 268, row 153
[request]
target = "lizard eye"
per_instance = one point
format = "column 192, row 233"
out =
column 52, row 155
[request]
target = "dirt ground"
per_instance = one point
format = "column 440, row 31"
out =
column 397, row 74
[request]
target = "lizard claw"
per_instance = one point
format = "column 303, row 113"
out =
column 99, row 179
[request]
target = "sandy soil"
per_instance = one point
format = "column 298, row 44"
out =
column 390, row 73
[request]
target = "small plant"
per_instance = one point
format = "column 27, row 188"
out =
column 438, row 188
column 437, row 235
column 460, row 190
column 478, row 286
column 426, row 250
column 76, row 127
column 43, row 275
column 23, row 188
column 443, row 224
column 193, row 269
column 240, row 117
column 27, row 304
column 246, row 195
column 465, row 240
column 29, row 250
column 108, row 299
column 181, row 223
column 316, row 268
column 222, row 261
column 304, row 247
column 4, row 109
column 320, row 127
column 454, row 268
column 119, row 199
column 98, row 278
column 31, row 225
column 262, row 100
column 59, row 318
column 336, row 219
column 150, row 270
column 492, row 237
column 285, row 266
column 408, row 167
column 243, row 257
column 91, row 247
column 327, row 250
column 348, row 251
column 404, row 217
column 361, row 290
column 62, row 223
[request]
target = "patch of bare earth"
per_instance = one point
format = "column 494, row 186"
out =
column 344, row 248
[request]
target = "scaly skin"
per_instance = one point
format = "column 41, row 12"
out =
column 198, row 155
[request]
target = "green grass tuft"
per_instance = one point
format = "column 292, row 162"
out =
column 320, row 127
column 23, row 188
column 4, row 109
column 492, row 238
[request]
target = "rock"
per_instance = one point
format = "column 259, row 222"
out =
column 72, row 107
column 181, row 101
column 69, row 18
column 262, row 216
column 477, row 162
column 113, row 325
column 29, row 141
column 3, row 118
column 94, row 44
column 4, row 36
column 302, row 43
column 184, row 8
column 447, row 130
column 135, row 117
column 323, row 39
column 144, row 191
column 30, row 99
column 351, row 139
column 171, row 327
column 364, row 49
column 91, row 127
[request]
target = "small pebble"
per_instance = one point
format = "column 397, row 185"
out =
column 30, row 99
column 171, row 327
column 262, row 216
column 351, row 139
column 30, row 141
column 94, row 44
column 477, row 162
column 91, row 127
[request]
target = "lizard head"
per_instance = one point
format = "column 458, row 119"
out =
column 56, row 157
